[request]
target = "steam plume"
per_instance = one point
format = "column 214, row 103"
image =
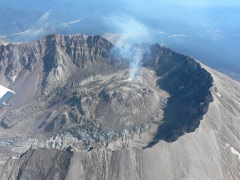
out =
column 132, row 32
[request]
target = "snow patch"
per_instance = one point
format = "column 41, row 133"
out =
column 235, row 152
column 219, row 94
column 227, row 145
column 237, row 102
column 14, row 157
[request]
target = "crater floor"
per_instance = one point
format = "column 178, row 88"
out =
column 98, row 108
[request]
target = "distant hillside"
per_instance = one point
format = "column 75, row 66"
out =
column 14, row 21
column 2, row 41
column 212, row 39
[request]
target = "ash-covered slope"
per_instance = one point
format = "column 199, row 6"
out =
column 211, row 152
column 76, row 91
column 79, row 90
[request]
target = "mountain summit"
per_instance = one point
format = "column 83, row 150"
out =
column 115, row 113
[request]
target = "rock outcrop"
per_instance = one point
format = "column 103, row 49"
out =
column 76, row 100
column 211, row 152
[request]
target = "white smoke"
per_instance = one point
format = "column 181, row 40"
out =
column 132, row 32
column 133, row 54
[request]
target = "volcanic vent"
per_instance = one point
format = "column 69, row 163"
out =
column 82, row 90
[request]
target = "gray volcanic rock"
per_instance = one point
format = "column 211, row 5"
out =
column 79, row 87
column 54, row 55
column 75, row 90
column 34, row 162
column 97, row 117
column 211, row 152
column 188, row 84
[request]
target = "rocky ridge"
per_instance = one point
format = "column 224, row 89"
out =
column 59, row 61
column 74, row 91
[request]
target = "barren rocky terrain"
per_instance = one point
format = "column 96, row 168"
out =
column 81, row 111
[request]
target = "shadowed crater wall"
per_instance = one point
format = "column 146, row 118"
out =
column 188, row 85
column 71, row 82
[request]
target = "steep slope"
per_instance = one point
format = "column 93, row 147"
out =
column 79, row 90
column 118, row 111
column 211, row 152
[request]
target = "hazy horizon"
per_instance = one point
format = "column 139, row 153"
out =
column 207, row 31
